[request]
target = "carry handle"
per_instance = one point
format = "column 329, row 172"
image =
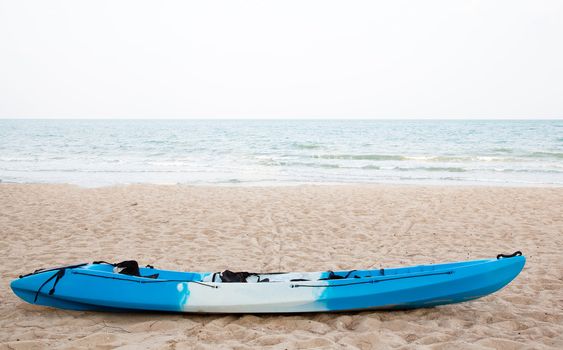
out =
column 516, row 253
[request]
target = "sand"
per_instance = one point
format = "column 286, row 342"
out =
column 286, row 228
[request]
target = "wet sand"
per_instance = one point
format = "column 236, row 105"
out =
column 284, row 229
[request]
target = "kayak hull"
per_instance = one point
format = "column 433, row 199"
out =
column 96, row 287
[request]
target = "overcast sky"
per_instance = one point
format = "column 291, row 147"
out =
column 281, row 59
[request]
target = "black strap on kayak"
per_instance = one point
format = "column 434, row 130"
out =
column 141, row 281
column 228, row 276
column 333, row 276
column 34, row 272
column 60, row 272
column 502, row 256
column 44, row 283
column 52, row 269
column 127, row 267
column 57, row 275
column 369, row 282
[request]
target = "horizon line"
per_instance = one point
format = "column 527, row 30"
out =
column 292, row 118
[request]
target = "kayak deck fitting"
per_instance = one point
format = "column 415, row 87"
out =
column 101, row 286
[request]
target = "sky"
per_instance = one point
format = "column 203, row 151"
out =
column 435, row 59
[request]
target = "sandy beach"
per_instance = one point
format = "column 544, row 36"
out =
column 283, row 229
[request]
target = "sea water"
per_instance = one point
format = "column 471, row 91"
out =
column 277, row 152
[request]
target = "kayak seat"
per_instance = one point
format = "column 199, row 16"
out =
column 228, row 276
column 128, row 267
column 333, row 276
column 131, row 268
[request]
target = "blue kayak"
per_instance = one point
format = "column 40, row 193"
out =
column 125, row 287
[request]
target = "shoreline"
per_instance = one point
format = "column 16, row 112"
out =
column 279, row 184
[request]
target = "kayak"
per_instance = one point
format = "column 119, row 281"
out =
column 102, row 286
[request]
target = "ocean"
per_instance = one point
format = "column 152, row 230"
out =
column 278, row 152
